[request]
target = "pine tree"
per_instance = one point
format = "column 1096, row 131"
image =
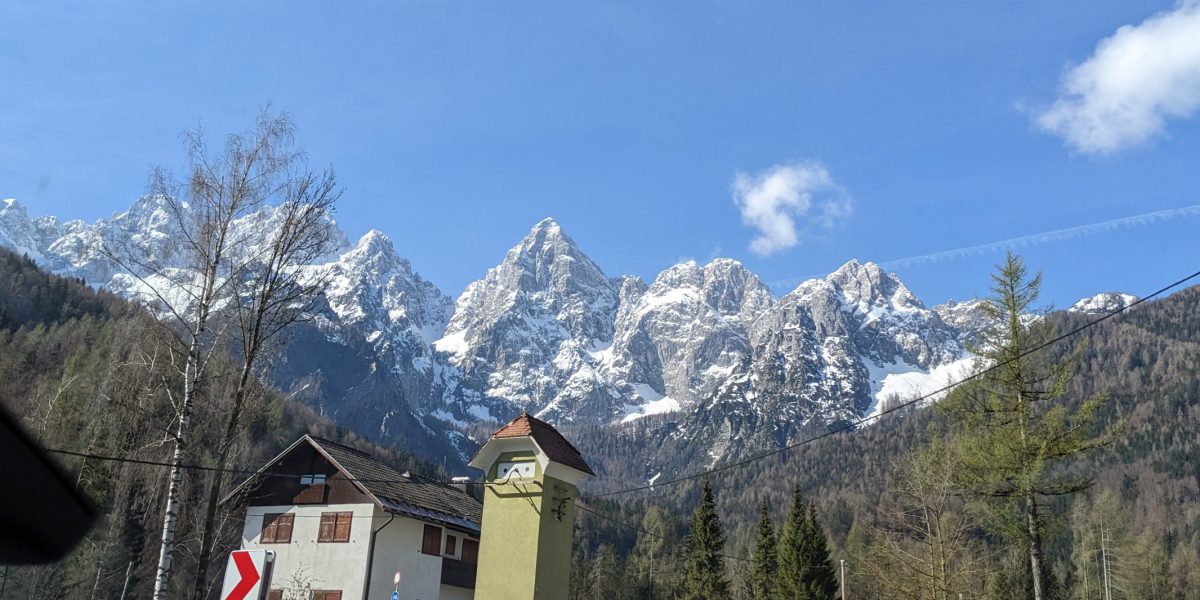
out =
column 793, row 552
column 820, row 580
column 1014, row 427
column 805, row 569
column 766, row 557
column 706, row 541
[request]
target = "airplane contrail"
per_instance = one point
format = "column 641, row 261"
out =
column 1036, row 239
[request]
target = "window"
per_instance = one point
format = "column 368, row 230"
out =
column 315, row 479
column 276, row 528
column 470, row 551
column 335, row 527
column 275, row 595
column 431, row 543
column 451, row 545
column 326, row 595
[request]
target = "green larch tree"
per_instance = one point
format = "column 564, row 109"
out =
column 1014, row 427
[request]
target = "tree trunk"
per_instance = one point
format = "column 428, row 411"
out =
column 208, row 537
column 1035, row 545
column 162, row 577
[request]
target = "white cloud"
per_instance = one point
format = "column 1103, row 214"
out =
column 1135, row 81
column 787, row 200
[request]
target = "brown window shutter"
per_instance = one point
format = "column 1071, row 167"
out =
column 431, row 543
column 328, row 526
column 470, row 552
column 342, row 530
column 451, row 545
column 270, row 525
column 283, row 528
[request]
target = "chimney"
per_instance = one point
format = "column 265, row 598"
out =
column 460, row 482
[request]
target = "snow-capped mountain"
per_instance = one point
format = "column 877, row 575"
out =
column 1103, row 303
column 723, row 364
column 523, row 337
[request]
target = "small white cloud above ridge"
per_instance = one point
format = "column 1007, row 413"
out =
column 786, row 201
column 1135, row 81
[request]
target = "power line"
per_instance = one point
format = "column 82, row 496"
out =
column 416, row 479
column 903, row 405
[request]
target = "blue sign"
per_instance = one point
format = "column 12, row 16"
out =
column 395, row 595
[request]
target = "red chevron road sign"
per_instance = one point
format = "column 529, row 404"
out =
column 247, row 574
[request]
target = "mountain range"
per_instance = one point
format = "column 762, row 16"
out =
column 706, row 354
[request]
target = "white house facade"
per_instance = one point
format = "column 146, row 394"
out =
column 342, row 524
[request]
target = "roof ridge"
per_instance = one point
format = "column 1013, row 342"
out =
column 357, row 451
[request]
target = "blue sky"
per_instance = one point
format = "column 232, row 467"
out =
column 653, row 131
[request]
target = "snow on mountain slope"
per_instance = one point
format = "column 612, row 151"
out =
column 1103, row 303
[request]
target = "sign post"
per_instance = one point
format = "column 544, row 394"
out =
column 247, row 574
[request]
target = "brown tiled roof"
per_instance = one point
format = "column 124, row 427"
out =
column 556, row 447
column 406, row 494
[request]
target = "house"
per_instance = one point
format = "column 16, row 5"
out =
column 342, row 524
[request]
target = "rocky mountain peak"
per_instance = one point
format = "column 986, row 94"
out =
column 374, row 250
column 868, row 284
column 1103, row 303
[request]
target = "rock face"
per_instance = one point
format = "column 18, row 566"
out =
column 522, row 337
column 724, row 366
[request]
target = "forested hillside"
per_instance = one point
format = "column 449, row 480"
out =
column 86, row 372
column 1144, row 495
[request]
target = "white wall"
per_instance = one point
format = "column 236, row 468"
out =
column 306, row 564
column 398, row 548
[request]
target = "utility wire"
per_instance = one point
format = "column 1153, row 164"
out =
column 903, row 405
column 416, row 479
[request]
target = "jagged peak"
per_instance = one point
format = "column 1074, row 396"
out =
column 373, row 238
column 12, row 204
column 854, row 268
column 375, row 245
column 684, row 273
column 547, row 224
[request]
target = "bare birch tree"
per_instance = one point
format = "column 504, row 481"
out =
column 273, row 290
column 198, row 274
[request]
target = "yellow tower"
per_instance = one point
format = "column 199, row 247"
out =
column 528, row 511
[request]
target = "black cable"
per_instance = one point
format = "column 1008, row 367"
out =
column 856, row 424
column 416, row 479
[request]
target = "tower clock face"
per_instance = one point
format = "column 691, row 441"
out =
column 515, row 470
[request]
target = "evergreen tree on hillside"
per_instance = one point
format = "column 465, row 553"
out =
column 1015, row 427
column 706, row 541
column 805, row 569
column 766, row 557
column 821, row 580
